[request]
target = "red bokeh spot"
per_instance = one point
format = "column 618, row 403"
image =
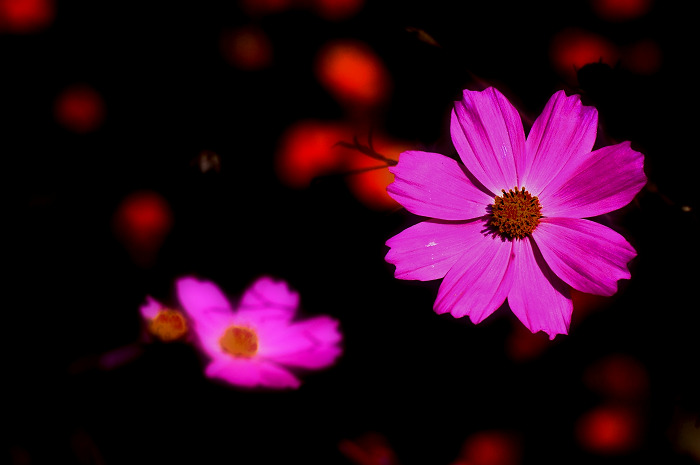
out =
column 642, row 57
column 142, row 221
column 621, row 10
column 353, row 73
column 609, row 429
column 573, row 48
column 491, row 448
column 80, row 109
column 618, row 376
column 26, row 16
column 310, row 149
column 522, row 345
column 247, row 48
column 585, row 304
column 368, row 449
column 307, row 150
column 335, row 10
column 371, row 177
column 265, row 7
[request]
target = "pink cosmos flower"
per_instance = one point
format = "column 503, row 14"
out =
column 508, row 222
column 166, row 324
column 259, row 344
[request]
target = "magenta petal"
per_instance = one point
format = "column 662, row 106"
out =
column 563, row 134
column 198, row 296
column 268, row 298
column 428, row 250
column 251, row 373
column 489, row 137
column 436, row 186
column 607, row 180
column 538, row 297
column 479, row 281
column 323, row 335
column 150, row 308
column 588, row 256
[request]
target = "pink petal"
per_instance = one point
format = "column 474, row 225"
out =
column 436, row 186
column 250, row 373
column 488, row 135
column 563, row 134
column 538, row 297
column 607, row 180
column 280, row 339
column 479, row 281
column 324, row 336
column 428, row 250
column 198, row 296
column 273, row 297
column 149, row 309
column 588, row 256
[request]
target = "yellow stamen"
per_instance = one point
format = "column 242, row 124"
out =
column 168, row 325
column 239, row 341
column 515, row 214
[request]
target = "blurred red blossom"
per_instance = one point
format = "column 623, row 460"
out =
column 610, row 429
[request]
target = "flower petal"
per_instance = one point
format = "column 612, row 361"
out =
column 479, row 281
column 323, row 334
column 564, row 132
column 250, row 373
column 540, row 300
column 428, row 250
column 149, row 309
column 488, row 134
column 269, row 299
column 588, row 256
column 198, row 296
column 607, row 180
column 436, row 186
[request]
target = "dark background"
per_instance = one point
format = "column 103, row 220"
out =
column 426, row 382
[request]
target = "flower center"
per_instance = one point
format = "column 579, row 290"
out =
column 168, row 325
column 239, row 341
column 515, row 214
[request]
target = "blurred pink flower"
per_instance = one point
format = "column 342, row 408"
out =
column 507, row 222
column 259, row 344
column 166, row 324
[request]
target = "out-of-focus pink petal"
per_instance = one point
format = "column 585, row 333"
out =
column 251, row 373
column 607, row 180
column 538, row 297
column 561, row 136
column 588, row 256
column 199, row 296
column 281, row 338
column 436, row 186
column 150, row 308
column 269, row 299
column 479, row 281
column 324, row 335
column 428, row 250
column 488, row 134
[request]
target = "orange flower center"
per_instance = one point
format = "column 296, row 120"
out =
column 239, row 341
column 515, row 214
column 168, row 325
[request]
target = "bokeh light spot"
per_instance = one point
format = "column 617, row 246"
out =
column 643, row 57
column 491, row 448
column 247, row 48
column 620, row 10
column 572, row 48
column 619, row 376
column 353, row 73
column 609, row 429
column 80, row 109
column 26, row 16
column 336, row 10
column 142, row 221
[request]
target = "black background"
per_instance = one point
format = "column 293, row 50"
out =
column 424, row 381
